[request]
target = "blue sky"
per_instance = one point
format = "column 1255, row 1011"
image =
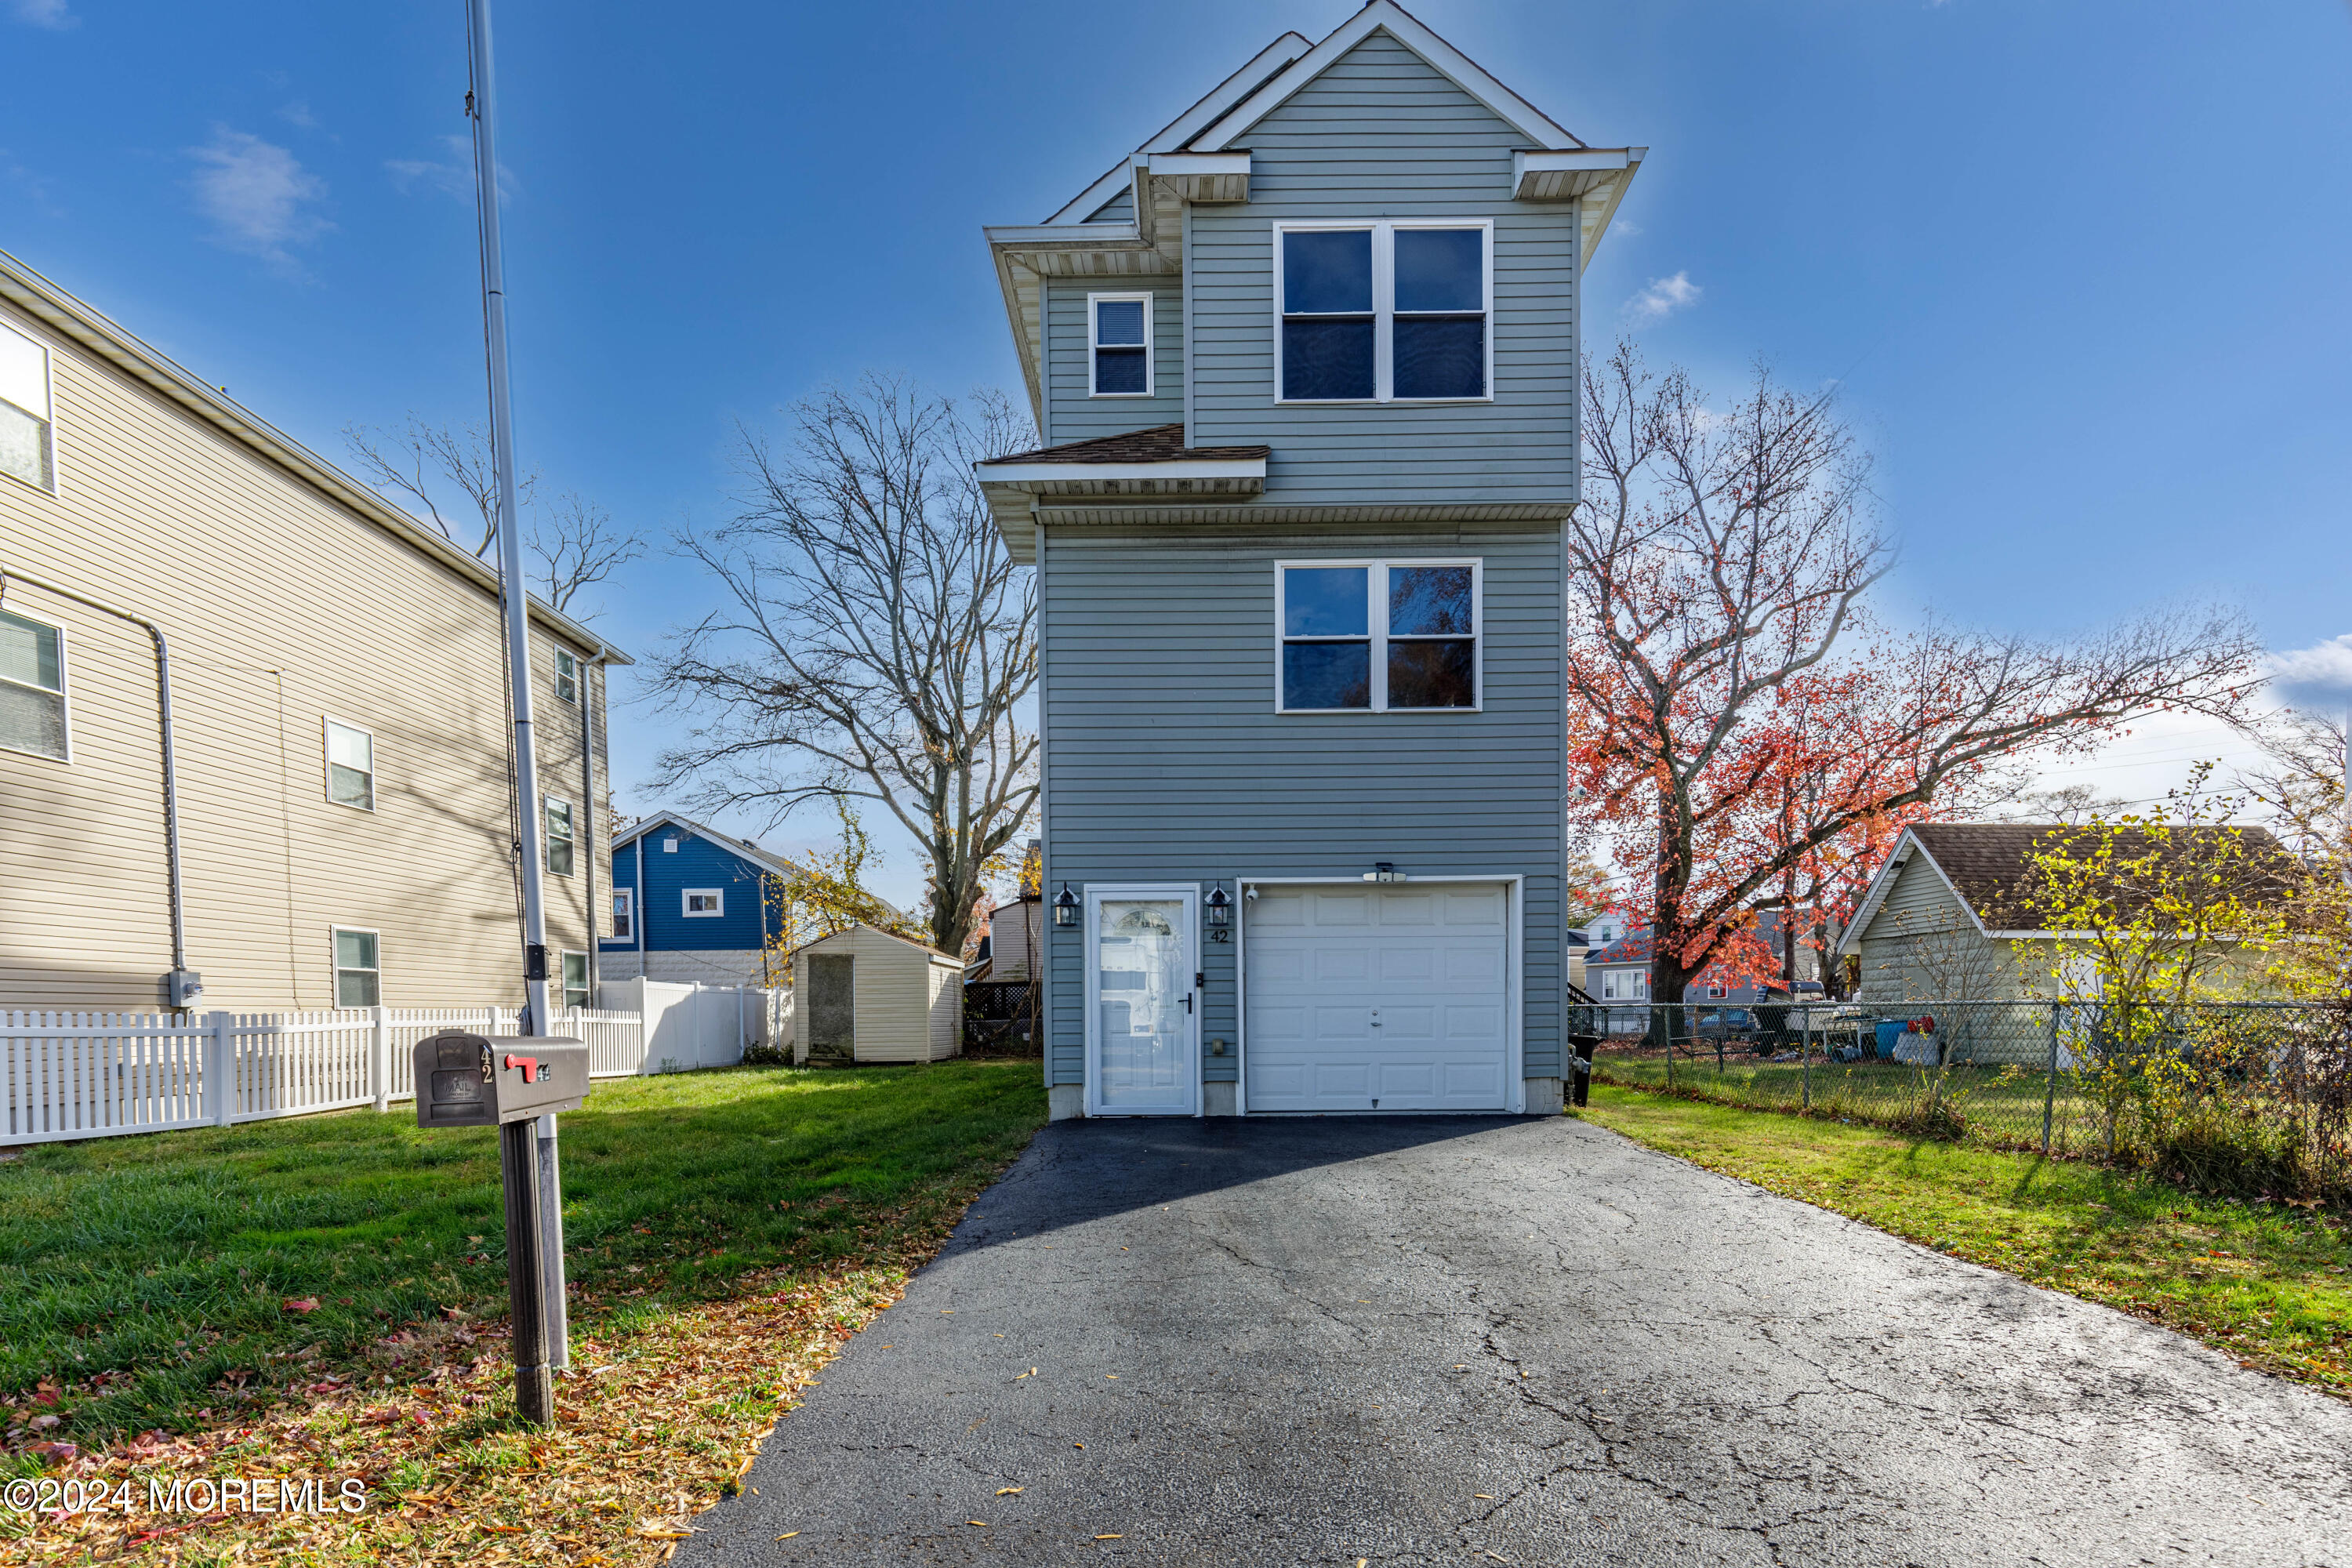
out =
column 2079, row 267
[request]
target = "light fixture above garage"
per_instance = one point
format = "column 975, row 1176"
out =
column 1384, row 871
column 1065, row 908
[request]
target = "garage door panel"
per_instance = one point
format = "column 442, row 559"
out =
column 1342, row 965
column 1431, row 960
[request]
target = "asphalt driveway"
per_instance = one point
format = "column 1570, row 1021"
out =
column 1468, row 1340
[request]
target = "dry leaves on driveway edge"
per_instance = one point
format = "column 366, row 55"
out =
column 655, row 1424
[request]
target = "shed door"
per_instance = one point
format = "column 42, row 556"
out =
column 1377, row 998
column 832, row 1015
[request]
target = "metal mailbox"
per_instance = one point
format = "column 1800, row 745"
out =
column 466, row 1079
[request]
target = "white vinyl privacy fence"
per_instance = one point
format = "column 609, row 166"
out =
column 90, row 1075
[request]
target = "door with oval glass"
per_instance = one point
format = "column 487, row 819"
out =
column 1144, row 1010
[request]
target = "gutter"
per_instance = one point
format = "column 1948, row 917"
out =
column 185, row 984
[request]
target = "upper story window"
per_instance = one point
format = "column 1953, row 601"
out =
column 1377, row 635
column 350, row 765
column 1118, row 339
column 567, row 675
column 32, row 687
column 559, row 837
column 1383, row 313
column 27, row 447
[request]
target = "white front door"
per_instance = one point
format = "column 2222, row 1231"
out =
column 1372, row 998
column 1144, row 1010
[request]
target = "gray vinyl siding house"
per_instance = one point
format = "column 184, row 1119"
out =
column 1390, row 848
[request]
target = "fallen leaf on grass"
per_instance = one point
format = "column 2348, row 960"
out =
column 662, row 1533
column 306, row 1304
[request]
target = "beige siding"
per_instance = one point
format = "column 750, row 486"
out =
column 1922, row 945
column 282, row 607
column 947, row 1008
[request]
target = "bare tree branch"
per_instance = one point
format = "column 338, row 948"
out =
column 878, row 641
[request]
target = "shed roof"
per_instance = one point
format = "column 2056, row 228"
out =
column 1988, row 866
column 1159, row 443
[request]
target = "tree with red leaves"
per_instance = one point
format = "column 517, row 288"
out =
column 1743, row 732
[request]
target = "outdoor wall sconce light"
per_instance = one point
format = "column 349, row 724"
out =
column 1221, row 910
column 1066, row 910
column 1383, row 871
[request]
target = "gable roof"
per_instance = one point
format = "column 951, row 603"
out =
column 1988, row 867
column 1127, row 224
column 84, row 325
column 937, row 955
column 1386, row 16
column 768, row 859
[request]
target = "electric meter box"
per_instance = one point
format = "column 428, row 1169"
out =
column 466, row 1079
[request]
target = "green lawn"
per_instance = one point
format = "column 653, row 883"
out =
column 2270, row 1283
column 152, row 1277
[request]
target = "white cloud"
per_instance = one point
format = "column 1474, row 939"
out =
column 43, row 13
column 2317, row 677
column 453, row 178
column 1664, row 297
column 257, row 194
column 299, row 114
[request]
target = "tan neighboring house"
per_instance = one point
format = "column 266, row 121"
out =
column 337, row 775
column 1949, row 917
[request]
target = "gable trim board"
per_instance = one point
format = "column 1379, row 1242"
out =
column 1385, row 15
column 1514, row 1002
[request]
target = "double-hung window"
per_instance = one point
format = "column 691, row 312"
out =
column 1376, row 635
column 1118, row 346
column 350, row 765
column 576, row 980
column 567, row 675
column 625, row 912
column 559, row 837
column 1383, row 313
column 32, row 687
column 359, row 977
column 27, row 448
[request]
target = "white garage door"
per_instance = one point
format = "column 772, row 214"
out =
column 1377, row 998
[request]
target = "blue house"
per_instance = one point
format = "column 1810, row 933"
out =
column 1305, row 367
column 691, row 905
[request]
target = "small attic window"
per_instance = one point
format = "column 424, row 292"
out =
column 1118, row 335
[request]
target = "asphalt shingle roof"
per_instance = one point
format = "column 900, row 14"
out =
column 1159, row 443
column 1991, row 863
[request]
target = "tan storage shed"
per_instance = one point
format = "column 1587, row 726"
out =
column 864, row 995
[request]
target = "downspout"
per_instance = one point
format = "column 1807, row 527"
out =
column 638, row 906
column 184, row 985
column 588, row 790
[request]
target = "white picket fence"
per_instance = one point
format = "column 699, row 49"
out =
column 89, row 1075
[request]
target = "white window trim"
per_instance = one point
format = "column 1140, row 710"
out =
column 49, row 390
column 571, row 815
column 335, row 963
column 1376, row 590
column 625, row 906
column 64, row 692
column 1383, row 232
column 327, row 760
column 1150, row 370
column 555, row 676
column 686, row 897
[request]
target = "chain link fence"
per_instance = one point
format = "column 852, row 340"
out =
column 2251, row 1096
